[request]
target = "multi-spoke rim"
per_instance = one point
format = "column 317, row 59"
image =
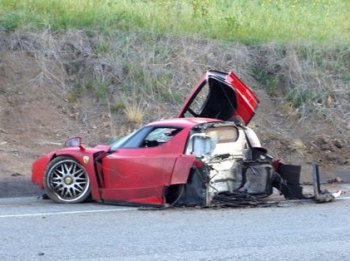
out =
column 69, row 180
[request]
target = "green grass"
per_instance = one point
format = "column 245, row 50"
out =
column 248, row 21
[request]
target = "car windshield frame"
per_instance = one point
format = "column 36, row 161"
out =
column 123, row 143
column 120, row 142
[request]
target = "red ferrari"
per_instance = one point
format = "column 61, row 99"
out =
column 205, row 156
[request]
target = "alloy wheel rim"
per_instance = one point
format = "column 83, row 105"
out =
column 69, row 180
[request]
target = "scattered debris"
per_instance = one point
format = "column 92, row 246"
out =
column 17, row 174
column 335, row 180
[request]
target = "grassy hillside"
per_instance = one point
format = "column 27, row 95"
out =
column 253, row 21
column 298, row 49
column 102, row 67
column 55, row 85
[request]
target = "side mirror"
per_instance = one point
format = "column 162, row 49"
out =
column 73, row 142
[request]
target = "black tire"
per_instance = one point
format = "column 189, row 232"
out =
column 66, row 181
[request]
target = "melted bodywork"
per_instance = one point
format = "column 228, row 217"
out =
column 228, row 171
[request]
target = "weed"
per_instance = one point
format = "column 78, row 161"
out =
column 10, row 21
column 200, row 8
column 345, row 77
column 232, row 23
column 101, row 89
column 269, row 81
column 272, row 86
column 118, row 106
column 299, row 97
column 98, row 86
column 74, row 94
column 89, row 84
column 102, row 47
column 134, row 112
column 260, row 74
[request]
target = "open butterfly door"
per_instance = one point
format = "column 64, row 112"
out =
column 222, row 96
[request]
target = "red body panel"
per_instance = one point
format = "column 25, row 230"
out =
column 182, row 168
column 38, row 169
column 246, row 99
column 144, row 172
column 141, row 174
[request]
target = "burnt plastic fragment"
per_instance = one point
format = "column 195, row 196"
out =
column 286, row 179
column 321, row 196
column 257, row 178
column 237, row 199
column 194, row 193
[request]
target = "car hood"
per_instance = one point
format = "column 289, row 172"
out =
column 221, row 96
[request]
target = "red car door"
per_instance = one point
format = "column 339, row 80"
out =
column 222, row 96
column 138, row 173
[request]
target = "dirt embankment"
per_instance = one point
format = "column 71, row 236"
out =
column 56, row 86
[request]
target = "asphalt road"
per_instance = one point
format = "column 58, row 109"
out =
column 34, row 229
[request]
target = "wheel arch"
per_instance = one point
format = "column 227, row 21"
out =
column 89, row 166
column 191, row 193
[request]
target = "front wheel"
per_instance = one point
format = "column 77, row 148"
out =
column 66, row 181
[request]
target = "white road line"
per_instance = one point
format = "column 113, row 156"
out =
column 66, row 213
column 87, row 211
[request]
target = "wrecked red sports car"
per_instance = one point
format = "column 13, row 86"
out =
column 204, row 157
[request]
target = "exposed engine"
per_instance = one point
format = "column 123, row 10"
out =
column 229, row 170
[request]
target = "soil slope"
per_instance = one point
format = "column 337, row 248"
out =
column 39, row 107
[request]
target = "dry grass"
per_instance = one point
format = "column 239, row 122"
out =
column 309, row 77
column 135, row 112
column 159, row 71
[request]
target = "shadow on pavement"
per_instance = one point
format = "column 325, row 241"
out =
column 18, row 187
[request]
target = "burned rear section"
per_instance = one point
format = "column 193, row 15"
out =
column 228, row 171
